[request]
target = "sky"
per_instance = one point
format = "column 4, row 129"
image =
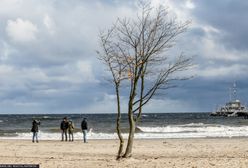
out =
column 48, row 59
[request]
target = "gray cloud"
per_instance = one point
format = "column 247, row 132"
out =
column 229, row 17
column 53, row 68
column 47, row 54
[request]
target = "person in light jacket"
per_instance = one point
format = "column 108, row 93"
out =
column 70, row 130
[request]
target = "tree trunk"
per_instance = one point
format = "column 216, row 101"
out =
column 118, row 127
column 121, row 140
column 129, row 147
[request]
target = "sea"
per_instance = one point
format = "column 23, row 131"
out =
column 151, row 126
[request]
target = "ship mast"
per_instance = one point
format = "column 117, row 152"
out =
column 233, row 92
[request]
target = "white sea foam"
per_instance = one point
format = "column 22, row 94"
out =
column 193, row 132
column 57, row 136
column 45, row 117
column 194, row 124
column 172, row 131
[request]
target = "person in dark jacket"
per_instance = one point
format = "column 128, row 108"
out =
column 35, row 130
column 84, row 127
column 64, row 128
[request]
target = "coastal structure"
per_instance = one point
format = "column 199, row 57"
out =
column 232, row 108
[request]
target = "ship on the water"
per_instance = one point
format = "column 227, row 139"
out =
column 232, row 108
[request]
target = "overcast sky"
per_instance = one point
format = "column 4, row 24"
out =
column 48, row 62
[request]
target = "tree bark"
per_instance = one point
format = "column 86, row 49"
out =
column 121, row 140
column 118, row 127
column 128, row 152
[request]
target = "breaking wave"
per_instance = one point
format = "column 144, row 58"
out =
column 194, row 130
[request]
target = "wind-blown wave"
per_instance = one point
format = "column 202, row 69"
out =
column 170, row 131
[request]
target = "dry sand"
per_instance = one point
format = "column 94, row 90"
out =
column 162, row 153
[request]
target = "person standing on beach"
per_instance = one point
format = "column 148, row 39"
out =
column 35, row 130
column 64, row 128
column 84, row 127
column 70, row 130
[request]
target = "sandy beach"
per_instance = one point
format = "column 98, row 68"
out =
column 177, row 153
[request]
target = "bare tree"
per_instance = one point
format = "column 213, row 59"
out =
column 135, row 52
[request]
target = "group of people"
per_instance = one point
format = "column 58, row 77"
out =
column 66, row 127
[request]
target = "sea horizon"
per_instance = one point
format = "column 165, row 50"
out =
column 103, row 113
